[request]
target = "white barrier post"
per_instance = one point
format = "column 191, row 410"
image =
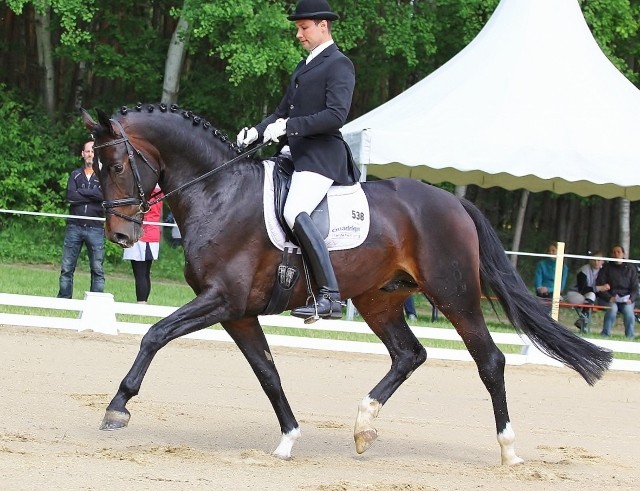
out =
column 98, row 313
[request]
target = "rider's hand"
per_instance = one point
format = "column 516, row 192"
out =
column 275, row 130
column 246, row 136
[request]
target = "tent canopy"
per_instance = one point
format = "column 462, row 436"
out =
column 532, row 102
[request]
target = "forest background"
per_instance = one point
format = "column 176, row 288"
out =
column 229, row 61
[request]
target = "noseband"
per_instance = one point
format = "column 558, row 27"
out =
column 141, row 201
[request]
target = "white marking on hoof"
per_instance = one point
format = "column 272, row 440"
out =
column 364, row 433
column 507, row 439
column 286, row 444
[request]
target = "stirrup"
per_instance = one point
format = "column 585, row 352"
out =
column 310, row 312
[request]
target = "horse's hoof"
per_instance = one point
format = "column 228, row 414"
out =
column 114, row 420
column 365, row 439
column 515, row 460
column 282, row 456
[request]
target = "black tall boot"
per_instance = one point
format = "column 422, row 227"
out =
column 328, row 303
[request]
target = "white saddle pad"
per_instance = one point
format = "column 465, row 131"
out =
column 349, row 217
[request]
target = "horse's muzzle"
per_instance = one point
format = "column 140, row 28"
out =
column 122, row 240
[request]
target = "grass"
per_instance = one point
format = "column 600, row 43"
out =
column 42, row 280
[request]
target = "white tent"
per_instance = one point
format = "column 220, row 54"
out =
column 531, row 102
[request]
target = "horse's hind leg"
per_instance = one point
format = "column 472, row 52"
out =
column 384, row 315
column 470, row 324
column 491, row 362
column 249, row 337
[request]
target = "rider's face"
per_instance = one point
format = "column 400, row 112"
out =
column 310, row 34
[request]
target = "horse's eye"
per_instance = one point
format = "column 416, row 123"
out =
column 118, row 168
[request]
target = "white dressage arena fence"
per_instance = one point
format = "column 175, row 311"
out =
column 97, row 312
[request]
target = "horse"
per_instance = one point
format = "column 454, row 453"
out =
column 421, row 239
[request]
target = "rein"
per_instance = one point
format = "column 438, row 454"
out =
column 143, row 204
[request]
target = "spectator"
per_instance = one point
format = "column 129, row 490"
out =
column 176, row 236
column 410, row 309
column 583, row 291
column 84, row 195
column 146, row 250
column 545, row 274
column 618, row 282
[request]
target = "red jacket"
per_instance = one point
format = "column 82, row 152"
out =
column 152, row 233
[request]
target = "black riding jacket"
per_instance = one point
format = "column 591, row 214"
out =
column 85, row 198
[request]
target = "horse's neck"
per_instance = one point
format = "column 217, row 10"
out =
column 188, row 157
column 233, row 193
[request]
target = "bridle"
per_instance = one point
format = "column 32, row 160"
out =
column 141, row 201
column 143, row 204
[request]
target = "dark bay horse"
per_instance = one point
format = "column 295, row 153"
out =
column 421, row 239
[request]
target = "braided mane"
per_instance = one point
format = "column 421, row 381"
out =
column 196, row 121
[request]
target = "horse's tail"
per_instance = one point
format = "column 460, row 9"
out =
column 526, row 313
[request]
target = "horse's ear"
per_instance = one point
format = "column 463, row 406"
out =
column 105, row 121
column 102, row 126
column 89, row 123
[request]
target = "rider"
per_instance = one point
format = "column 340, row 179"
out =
column 309, row 117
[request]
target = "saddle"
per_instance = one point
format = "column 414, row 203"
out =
column 342, row 218
column 287, row 275
column 282, row 172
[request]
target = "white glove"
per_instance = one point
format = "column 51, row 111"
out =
column 246, row 136
column 275, row 130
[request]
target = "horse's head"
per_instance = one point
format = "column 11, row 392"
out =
column 128, row 168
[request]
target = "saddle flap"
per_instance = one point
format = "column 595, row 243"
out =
column 282, row 172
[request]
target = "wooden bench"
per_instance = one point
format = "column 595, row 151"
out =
column 584, row 322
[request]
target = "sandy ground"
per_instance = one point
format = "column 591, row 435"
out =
column 201, row 421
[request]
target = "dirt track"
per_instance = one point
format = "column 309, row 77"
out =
column 201, row 421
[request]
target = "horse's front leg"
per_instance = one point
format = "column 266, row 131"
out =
column 191, row 317
column 249, row 337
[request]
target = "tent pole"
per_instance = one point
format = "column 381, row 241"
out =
column 557, row 282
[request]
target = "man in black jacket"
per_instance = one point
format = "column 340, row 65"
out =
column 618, row 289
column 309, row 117
column 85, row 200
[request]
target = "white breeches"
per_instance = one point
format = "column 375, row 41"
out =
column 306, row 191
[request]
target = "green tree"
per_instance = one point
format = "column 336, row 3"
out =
column 615, row 25
column 239, row 56
column 36, row 156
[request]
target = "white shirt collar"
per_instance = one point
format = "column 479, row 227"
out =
column 318, row 49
